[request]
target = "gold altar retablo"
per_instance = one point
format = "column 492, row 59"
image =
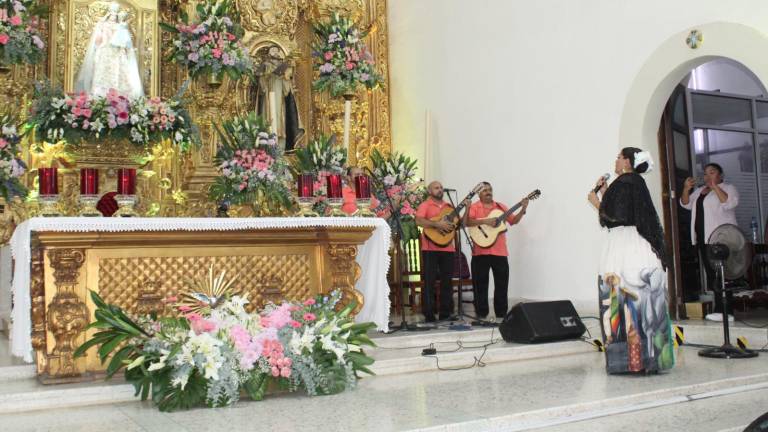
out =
column 138, row 270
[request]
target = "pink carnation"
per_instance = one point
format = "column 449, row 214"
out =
column 309, row 317
column 3, row 38
column 15, row 20
column 309, row 302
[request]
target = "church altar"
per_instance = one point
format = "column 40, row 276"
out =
column 136, row 263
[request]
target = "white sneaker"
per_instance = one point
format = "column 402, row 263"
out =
column 717, row 316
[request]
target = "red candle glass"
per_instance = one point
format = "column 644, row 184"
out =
column 334, row 186
column 306, row 185
column 362, row 187
column 48, row 179
column 89, row 181
column 126, row 181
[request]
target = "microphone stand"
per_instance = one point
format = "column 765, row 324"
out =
column 460, row 323
column 399, row 251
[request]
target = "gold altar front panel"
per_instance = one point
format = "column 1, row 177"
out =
column 138, row 270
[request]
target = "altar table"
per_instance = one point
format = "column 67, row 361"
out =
column 135, row 263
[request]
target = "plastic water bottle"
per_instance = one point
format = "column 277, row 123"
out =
column 753, row 227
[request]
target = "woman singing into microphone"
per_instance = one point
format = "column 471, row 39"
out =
column 632, row 281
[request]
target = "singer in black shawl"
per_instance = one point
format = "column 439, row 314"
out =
column 632, row 281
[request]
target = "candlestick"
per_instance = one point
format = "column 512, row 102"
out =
column 347, row 118
column 306, row 185
column 126, row 181
column 48, row 187
column 48, row 179
column 362, row 187
column 89, row 181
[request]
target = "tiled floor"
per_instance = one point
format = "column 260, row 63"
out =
column 496, row 397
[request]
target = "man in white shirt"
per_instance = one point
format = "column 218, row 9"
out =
column 711, row 205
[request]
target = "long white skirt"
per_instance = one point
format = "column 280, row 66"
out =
column 633, row 305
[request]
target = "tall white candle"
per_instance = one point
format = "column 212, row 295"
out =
column 273, row 111
column 427, row 162
column 347, row 118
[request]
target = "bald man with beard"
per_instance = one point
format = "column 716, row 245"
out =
column 435, row 260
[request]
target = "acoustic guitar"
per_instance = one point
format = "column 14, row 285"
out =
column 484, row 235
column 450, row 215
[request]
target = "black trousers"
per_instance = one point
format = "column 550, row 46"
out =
column 434, row 264
column 714, row 283
column 500, row 268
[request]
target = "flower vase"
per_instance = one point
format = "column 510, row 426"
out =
column 215, row 79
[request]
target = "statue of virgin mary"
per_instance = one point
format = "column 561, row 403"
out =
column 110, row 60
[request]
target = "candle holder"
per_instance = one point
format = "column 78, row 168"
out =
column 305, row 192
column 363, row 196
column 88, row 206
column 305, row 207
column 335, row 205
column 49, row 205
column 125, row 204
column 335, row 195
column 364, row 208
column 48, row 188
column 89, row 192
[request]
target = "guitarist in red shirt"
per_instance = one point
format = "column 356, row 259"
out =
column 436, row 259
column 492, row 258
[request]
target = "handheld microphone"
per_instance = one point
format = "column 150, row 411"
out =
column 449, row 190
column 605, row 178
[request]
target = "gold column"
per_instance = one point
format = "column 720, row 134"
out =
column 67, row 314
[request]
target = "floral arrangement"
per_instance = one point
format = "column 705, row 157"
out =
column 341, row 58
column 251, row 165
column 398, row 175
column 11, row 167
column 20, row 40
column 212, row 44
column 321, row 155
column 213, row 353
column 58, row 116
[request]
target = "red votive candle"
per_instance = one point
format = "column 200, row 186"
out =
column 306, row 185
column 126, row 181
column 362, row 187
column 48, row 179
column 334, row 186
column 89, row 181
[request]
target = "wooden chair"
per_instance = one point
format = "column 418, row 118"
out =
column 411, row 274
column 413, row 279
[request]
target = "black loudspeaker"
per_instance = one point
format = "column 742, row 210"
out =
column 542, row 322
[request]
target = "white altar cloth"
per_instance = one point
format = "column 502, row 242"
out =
column 373, row 257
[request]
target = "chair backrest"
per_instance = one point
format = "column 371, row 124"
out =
column 412, row 250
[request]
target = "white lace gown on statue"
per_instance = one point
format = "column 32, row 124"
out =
column 110, row 62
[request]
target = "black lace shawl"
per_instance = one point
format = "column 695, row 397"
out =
column 627, row 202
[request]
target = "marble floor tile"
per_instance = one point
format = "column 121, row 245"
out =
column 85, row 419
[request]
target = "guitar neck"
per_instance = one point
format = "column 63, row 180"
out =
column 506, row 214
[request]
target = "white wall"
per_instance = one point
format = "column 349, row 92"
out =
column 543, row 94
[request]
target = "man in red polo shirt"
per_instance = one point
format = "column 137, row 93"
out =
column 435, row 259
column 493, row 257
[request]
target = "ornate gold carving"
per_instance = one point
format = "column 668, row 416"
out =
column 67, row 314
column 274, row 17
column 150, row 298
column 346, row 271
column 323, row 9
column 263, row 277
column 37, row 293
column 177, row 185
